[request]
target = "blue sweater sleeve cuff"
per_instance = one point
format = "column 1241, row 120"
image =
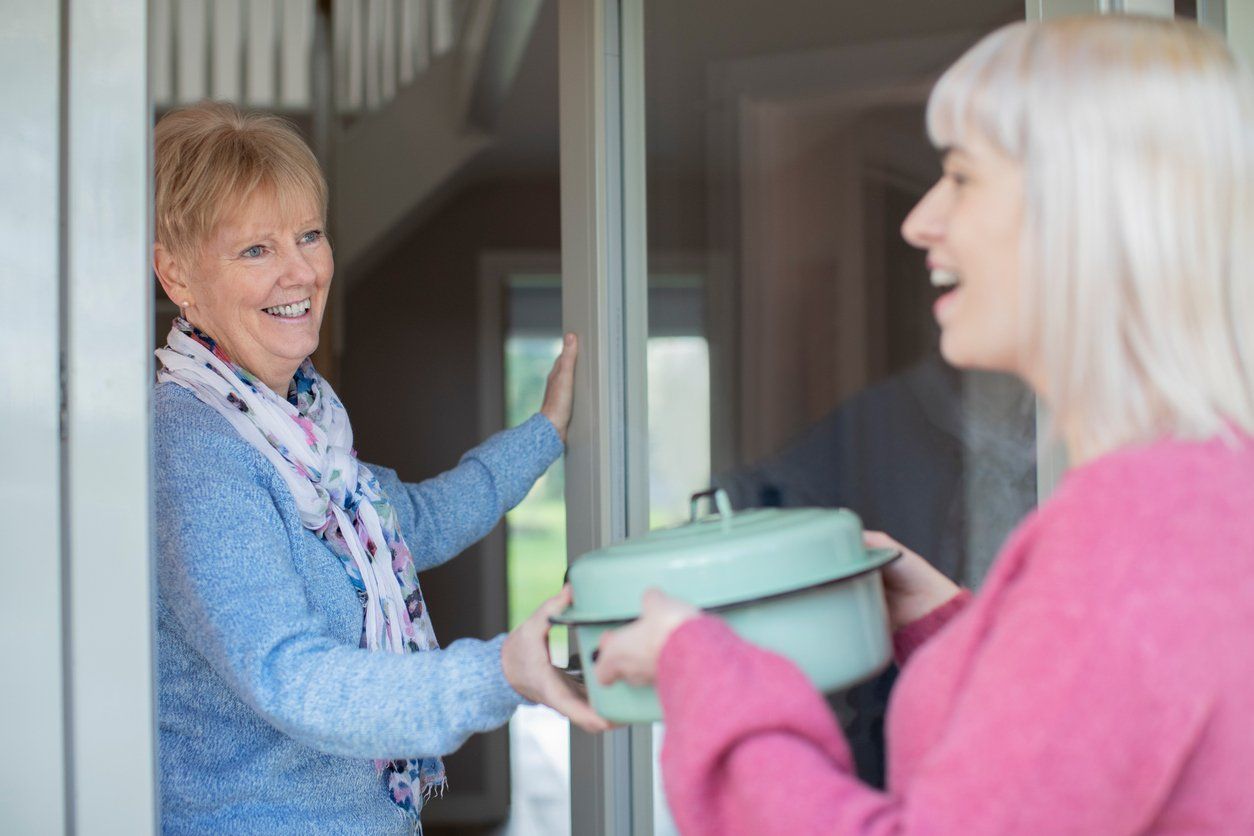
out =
column 509, row 697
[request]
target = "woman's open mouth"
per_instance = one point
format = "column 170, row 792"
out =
column 293, row 311
column 947, row 281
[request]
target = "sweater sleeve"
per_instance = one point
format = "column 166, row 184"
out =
column 226, row 576
column 914, row 635
column 442, row 516
column 1065, row 723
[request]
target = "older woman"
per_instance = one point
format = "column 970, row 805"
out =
column 1095, row 220
column 301, row 685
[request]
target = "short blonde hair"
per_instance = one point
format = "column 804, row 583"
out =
column 210, row 157
column 1136, row 137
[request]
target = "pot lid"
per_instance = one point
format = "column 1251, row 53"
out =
column 722, row 559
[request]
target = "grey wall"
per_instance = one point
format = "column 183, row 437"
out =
column 409, row 368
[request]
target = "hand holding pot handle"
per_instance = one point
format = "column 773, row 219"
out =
column 631, row 652
column 912, row 586
column 525, row 662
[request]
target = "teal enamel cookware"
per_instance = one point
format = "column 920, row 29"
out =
column 795, row 581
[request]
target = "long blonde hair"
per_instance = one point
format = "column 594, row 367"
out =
column 1136, row 137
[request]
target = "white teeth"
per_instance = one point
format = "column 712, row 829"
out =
column 944, row 278
column 293, row 310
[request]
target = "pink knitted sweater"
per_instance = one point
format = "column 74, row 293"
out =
column 1100, row 683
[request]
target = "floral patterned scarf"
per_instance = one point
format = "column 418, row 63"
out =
column 308, row 439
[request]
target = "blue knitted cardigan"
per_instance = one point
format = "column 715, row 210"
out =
column 270, row 713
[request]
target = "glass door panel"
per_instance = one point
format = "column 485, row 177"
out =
column 785, row 145
column 535, row 538
column 535, row 549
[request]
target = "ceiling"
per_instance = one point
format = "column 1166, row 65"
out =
column 687, row 42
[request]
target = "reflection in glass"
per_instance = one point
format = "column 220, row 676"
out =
column 679, row 425
column 785, row 145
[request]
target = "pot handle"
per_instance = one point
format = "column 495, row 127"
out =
column 722, row 503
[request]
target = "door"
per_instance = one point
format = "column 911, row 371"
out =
column 780, row 146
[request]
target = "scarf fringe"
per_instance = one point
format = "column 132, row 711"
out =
column 435, row 790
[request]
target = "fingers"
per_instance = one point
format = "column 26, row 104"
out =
column 560, row 693
column 655, row 604
column 607, row 669
column 559, row 390
column 631, row 652
column 553, row 606
column 652, row 599
column 570, row 350
column 578, row 711
column 625, row 654
column 664, row 611
column 565, row 362
column 879, row 540
column 539, row 620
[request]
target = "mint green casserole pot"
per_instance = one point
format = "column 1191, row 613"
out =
column 797, row 581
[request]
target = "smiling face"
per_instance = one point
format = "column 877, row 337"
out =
column 970, row 224
column 258, row 285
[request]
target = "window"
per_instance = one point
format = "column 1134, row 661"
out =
column 535, row 540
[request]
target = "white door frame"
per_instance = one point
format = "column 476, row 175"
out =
column 33, row 779
column 605, row 301
column 76, row 370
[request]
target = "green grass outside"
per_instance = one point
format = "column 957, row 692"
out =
column 536, row 560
